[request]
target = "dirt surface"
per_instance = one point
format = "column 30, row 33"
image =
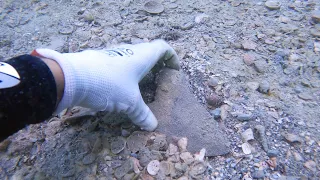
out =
column 253, row 64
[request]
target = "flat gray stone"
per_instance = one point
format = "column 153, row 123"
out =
column 179, row 114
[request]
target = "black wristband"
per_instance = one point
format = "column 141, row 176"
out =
column 32, row 100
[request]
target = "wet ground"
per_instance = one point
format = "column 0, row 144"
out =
column 254, row 65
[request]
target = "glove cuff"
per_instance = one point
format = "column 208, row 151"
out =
column 69, row 79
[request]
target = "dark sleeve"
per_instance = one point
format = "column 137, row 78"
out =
column 32, row 100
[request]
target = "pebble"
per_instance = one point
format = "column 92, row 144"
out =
column 248, row 45
column 269, row 41
column 153, row 7
column 315, row 32
column 246, row 148
column 264, row 87
column 187, row 26
column 316, row 16
column 305, row 96
column 182, row 144
column 213, row 82
column 258, row 174
column 245, row 117
column 4, row 144
column 200, row 18
column 124, row 169
column 316, row 46
column 214, row 100
column 273, row 153
column 137, row 140
column 248, row 59
column 89, row 159
column 247, row 135
column 216, row 113
column 253, row 85
column 165, row 167
column 200, row 156
column 297, row 156
column 311, row 165
column 197, row 170
column 187, row 157
column 172, row 149
column 153, row 167
column 292, row 138
column 273, row 5
column 261, row 130
column 260, row 66
column 65, row 30
column 118, row 145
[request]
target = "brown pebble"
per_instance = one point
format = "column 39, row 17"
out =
column 214, row 100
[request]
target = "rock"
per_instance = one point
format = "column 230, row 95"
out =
column 89, row 159
column 246, row 148
column 125, row 168
column 311, row 165
column 297, row 156
column 261, row 130
column 264, row 87
column 187, row 157
column 187, row 26
column 247, row 135
column 305, row 96
column 214, row 100
column 159, row 143
column 182, row 144
column 200, row 156
column 272, row 4
column 258, row 174
column 197, row 170
column 292, row 138
column 248, row 45
column 216, row 113
column 153, row 7
column 165, row 167
column 316, row 46
column 260, row 66
column 153, row 167
column 253, row 85
column 315, row 32
column 172, row 149
column 182, row 116
column 269, row 41
column 273, row 153
column 118, row 145
column 65, row 30
column 316, row 16
column 244, row 117
column 213, row 82
column 137, row 141
column 178, row 170
column 248, row 59
column 200, row 18
column 224, row 111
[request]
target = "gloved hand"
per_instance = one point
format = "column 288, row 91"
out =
column 107, row 80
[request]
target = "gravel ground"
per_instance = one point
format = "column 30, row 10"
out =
column 253, row 64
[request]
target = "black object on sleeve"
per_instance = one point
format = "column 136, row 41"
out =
column 32, row 100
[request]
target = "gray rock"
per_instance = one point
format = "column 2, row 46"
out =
column 88, row 159
column 289, row 178
column 273, row 153
column 245, row 117
column 264, row 87
column 258, row 174
column 181, row 115
column 216, row 113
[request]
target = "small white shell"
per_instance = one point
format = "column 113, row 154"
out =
column 246, row 148
column 153, row 167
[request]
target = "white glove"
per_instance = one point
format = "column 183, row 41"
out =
column 107, row 80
